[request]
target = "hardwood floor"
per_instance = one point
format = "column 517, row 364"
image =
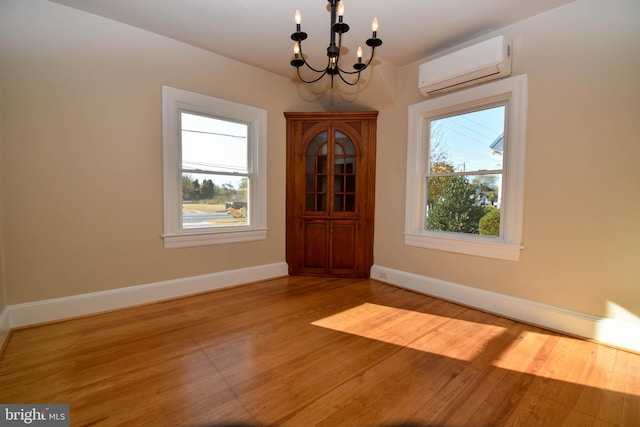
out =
column 301, row 351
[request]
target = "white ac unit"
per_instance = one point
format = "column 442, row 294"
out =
column 488, row 60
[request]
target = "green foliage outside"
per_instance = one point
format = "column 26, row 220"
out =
column 454, row 203
column 436, row 184
column 194, row 191
column 453, row 207
column 489, row 224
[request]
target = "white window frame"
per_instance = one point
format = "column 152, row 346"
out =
column 175, row 101
column 513, row 93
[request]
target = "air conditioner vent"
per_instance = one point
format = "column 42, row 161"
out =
column 488, row 60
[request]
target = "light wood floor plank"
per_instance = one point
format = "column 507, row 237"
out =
column 300, row 351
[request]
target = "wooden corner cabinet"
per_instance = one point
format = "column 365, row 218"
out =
column 331, row 159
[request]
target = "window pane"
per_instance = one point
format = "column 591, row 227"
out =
column 210, row 200
column 466, row 142
column 464, row 204
column 215, row 145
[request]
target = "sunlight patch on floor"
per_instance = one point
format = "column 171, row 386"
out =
column 465, row 340
column 459, row 339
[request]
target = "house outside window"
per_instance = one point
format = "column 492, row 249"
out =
column 465, row 172
column 214, row 170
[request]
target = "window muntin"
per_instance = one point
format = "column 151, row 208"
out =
column 463, row 171
column 511, row 92
column 198, row 134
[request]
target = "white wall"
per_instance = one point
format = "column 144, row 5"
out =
column 581, row 199
column 81, row 166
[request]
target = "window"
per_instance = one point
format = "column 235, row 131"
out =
column 465, row 176
column 214, row 170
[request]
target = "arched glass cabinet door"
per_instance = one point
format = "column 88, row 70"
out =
column 317, row 174
column 344, row 174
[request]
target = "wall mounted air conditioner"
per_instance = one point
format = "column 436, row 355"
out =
column 488, row 60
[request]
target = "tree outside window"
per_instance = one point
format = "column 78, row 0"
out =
column 465, row 172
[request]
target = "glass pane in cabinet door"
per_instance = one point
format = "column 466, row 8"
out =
column 321, row 202
column 310, row 202
column 350, row 202
column 322, row 164
column 318, row 145
column 311, row 165
column 310, row 186
column 344, row 173
column 322, row 184
column 350, row 184
column 316, row 173
column 350, row 165
column 349, row 149
column 341, row 138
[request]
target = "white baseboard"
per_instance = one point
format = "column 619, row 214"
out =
column 5, row 325
column 615, row 332
column 79, row 305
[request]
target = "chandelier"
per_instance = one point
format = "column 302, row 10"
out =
column 333, row 51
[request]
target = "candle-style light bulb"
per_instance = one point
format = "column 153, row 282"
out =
column 340, row 9
column 298, row 19
column 359, row 54
column 296, row 49
column 374, row 25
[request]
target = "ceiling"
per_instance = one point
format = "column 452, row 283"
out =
column 257, row 32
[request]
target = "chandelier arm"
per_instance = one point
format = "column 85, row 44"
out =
column 311, row 81
column 348, row 82
column 323, row 71
column 366, row 65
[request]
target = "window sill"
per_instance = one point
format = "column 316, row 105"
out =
column 212, row 238
column 468, row 245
